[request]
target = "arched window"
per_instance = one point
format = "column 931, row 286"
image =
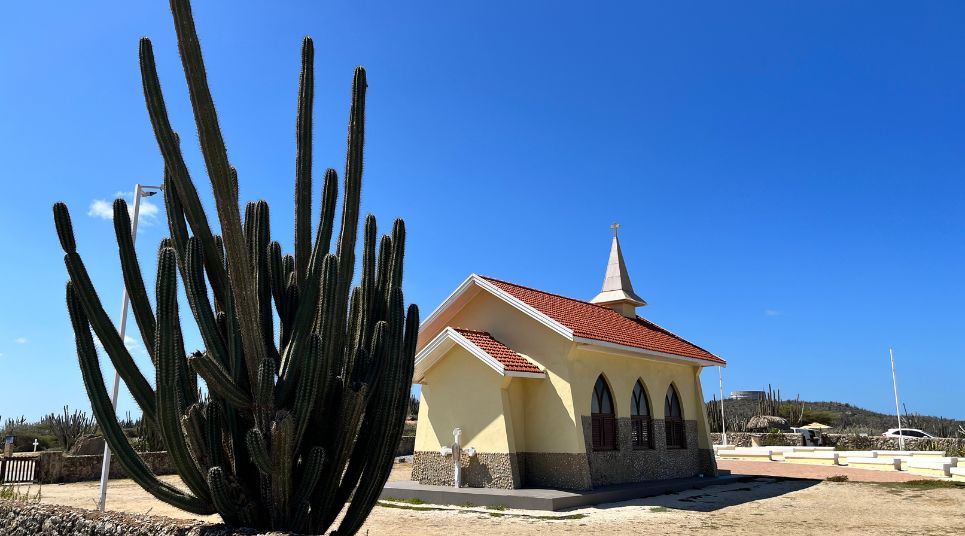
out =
column 674, row 420
column 641, row 425
column 602, row 418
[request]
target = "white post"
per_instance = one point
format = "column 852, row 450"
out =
column 894, row 382
column 457, row 457
column 723, row 425
column 106, row 463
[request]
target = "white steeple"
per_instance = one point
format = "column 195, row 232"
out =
column 617, row 292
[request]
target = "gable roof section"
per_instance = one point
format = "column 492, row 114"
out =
column 590, row 321
column 500, row 352
column 481, row 345
column 598, row 327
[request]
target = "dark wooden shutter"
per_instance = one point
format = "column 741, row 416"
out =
column 675, row 433
column 609, row 432
column 597, row 421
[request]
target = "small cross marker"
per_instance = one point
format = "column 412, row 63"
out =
column 616, row 228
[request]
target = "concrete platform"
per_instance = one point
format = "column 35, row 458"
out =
column 549, row 499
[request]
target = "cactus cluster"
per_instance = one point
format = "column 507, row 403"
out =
column 295, row 421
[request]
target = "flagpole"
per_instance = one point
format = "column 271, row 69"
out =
column 894, row 382
column 723, row 425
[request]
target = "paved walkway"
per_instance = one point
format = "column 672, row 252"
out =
column 819, row 472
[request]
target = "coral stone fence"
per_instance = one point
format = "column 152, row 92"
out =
column 55, row 467
column 58, row 468
column 850, row 442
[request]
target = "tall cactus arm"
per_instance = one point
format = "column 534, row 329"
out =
column 230, row 499
column 169, row 354
column 224, row 185
column 265, row 394
column 261, row 241
column 197, row 293
column 303, row 161
column 278, row 280
column 308, row 386
column 398, row 252
column 177, row 170
column 380, row 465
column 177, row 228
column 304, row 313
column 195, row 426
column 326, row 328
column 282, row 465
column 219, row 381
column 133, row 281
column 380, row 412
column 140, row 389
column 258, row 450
column 353, row 179
column 214, row 422
column 107, row 419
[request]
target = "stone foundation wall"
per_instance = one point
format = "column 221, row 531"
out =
column 629, row 464
column 556, row 470
column 59, row 468
column 484, row 470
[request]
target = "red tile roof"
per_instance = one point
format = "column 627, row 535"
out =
column 600, row 323
column 499, row 351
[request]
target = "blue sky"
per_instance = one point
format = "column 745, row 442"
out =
column 788, row 176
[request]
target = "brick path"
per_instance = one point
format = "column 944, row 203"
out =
column 819, row 472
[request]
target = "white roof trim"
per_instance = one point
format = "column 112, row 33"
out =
column 445, row 341
column 599, row 346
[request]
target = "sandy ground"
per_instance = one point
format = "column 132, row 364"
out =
column 766, row 505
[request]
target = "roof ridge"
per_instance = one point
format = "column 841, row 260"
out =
column 472, row 331
column 603, row 307
column 584, row 302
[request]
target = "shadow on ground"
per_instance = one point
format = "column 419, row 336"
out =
column 714, row 498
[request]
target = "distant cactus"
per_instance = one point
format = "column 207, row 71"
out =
column 69, row 427
column 291, row 426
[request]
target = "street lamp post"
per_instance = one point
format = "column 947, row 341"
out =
column 139, row 192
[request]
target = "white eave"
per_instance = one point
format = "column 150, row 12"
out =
column 437, row 321
column 449, row 338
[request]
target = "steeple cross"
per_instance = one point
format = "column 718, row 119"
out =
column 616, row 228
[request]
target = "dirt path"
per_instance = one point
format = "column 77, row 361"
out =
column 764, row 506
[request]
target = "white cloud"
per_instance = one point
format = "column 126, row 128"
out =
column 148, row 215
column 21, row 340
column 773, row 312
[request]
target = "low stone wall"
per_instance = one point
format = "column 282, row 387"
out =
column 59, row 468
column 743, row 439
column 853, row 442
column 29, row 519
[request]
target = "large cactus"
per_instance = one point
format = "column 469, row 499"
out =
column 289, row 428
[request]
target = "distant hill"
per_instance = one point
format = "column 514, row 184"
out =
column 845, row 418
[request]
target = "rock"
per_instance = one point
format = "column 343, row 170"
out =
column 766, row 423
column 88, row 444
